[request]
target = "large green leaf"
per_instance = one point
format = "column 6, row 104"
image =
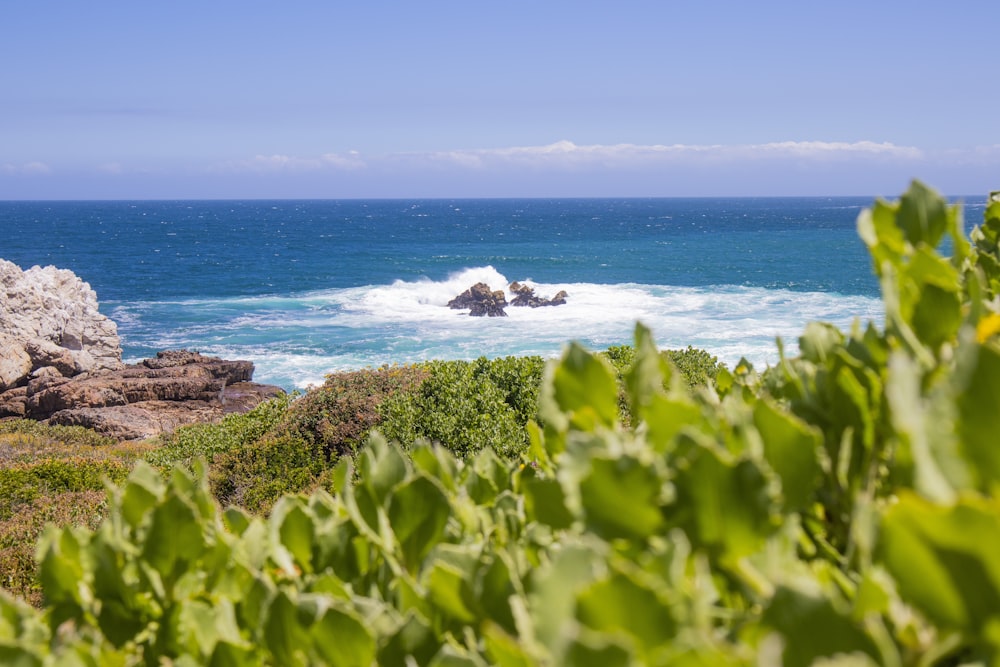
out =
column 294, row 532
column 979, row 411
column 343, row 639
column 725, row 504
column 545, row 502
column 584, row 388
column 418, row 512
column 790, row 447
column 621, row 604
column 175, row 538
column 923, row 215
column 944, row 559
column 286, row 635
column 644, row 379
column 814, row 626
column 622, row 497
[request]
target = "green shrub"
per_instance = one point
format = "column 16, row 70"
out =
column 20, row 531
column 72, row 436
column 23, row 483
column 696, row 366
column 339, row 415
column 188, row 443
column 467, row 406
column 254, row 475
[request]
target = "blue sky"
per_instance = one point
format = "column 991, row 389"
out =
column 219, row 99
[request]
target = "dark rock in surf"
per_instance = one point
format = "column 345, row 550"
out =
column 525, row 296
column 481, row 301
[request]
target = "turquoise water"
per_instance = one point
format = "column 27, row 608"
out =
column 304, row 288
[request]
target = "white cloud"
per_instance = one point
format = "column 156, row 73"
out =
column 277, row 162
column 26, row 168
column 568, row 153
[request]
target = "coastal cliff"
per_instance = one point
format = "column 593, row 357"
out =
column 61, row 362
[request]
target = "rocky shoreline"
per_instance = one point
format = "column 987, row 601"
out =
column 60, row 362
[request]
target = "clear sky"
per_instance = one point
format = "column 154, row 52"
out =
column 221, row 99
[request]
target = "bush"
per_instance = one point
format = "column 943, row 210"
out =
column 188, row 443
column 256, row 474
column 467, row 406
column 696, row 366
column 70, row 436
column 20, row 531
column 339, row 415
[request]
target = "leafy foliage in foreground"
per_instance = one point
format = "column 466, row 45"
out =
column 839, row 509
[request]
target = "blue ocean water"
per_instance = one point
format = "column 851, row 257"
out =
column 305, row 288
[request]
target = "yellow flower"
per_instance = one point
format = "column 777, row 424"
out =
column 988, row 327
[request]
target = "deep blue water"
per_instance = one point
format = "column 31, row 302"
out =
column 303, row 288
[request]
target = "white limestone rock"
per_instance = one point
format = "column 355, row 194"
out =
column 49, row 317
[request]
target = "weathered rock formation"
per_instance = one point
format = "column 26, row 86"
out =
column 481, row 301
column 141, row 400
column 49, row 324
column 525, row 296
column 60, row 361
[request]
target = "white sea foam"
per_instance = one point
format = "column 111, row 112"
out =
column 295, row 341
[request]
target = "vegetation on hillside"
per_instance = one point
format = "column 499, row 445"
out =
column 840, row 508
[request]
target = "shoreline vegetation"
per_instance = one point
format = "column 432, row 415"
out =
column 629, row 506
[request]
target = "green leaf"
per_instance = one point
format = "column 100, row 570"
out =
column 925, row 438
column 418, row 513
column 944, row 559
column 60, row 570
column 294, row 531
column 144, row 488
column 174, row 538
column 413, row 637
column 979, row 414
column 790, row 447
column 343, row 639
column 668, row 416
column 587, row 648
column 449, row 589
column 813, row 627
column 505, row 650
column 621, row 604
column 553, row 599
column 382, row 466
column 236, row 520
column 644, row 379
column 545, row 502
column 285, row 635
column 622, row 497
column 494, row 586
column 724, row 504
column 585, row 388
column 820, row 341
column 18, row 656
column 923, row 215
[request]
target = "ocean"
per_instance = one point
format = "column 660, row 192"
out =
column 307, row 288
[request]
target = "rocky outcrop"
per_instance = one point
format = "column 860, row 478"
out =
column 51, row 325
column 525, row 296
column 141, row 400
column 481, row 301
column 61, row 362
